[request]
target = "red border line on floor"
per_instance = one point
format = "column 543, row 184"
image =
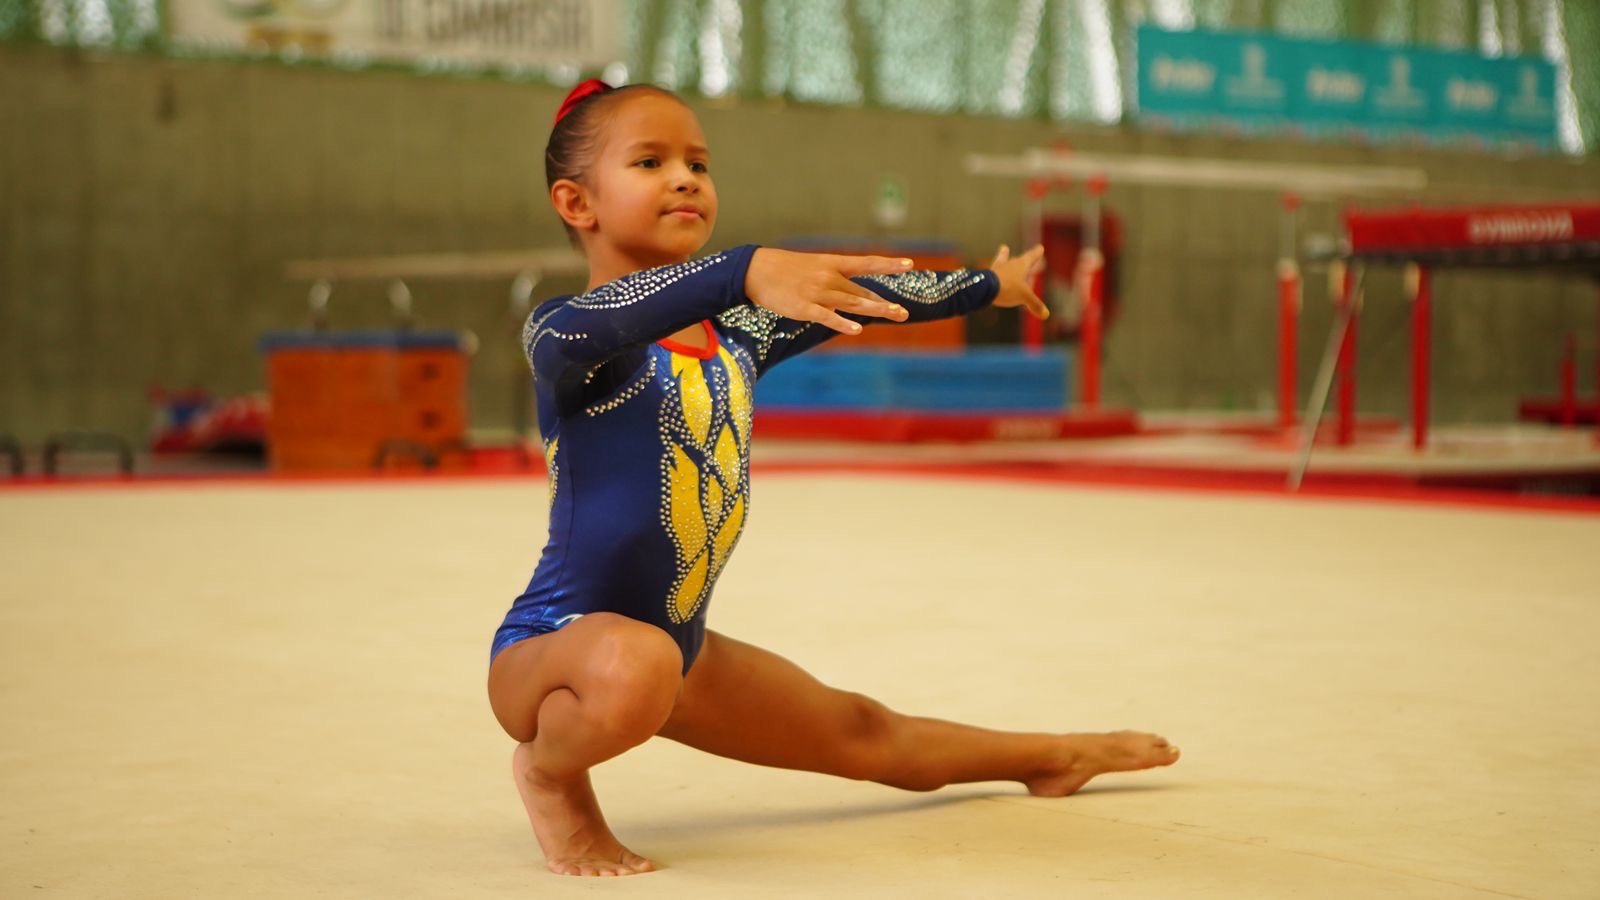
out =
column 257, row 479
column 1364, row 488
column 1367, row 489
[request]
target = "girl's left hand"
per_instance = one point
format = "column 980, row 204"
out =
column 816, row 287
column 1016, row 279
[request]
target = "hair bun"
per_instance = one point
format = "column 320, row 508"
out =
column 577, row 95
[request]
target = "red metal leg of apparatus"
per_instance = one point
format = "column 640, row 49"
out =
column 1033, row 235
column 1288, row 330
column 1092, row 268
column 1288, row 310
column 1348, row 304
column 1093, row 299
column 1421, row 352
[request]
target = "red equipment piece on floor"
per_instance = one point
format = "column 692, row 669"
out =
column 1081, row 249
column 1555, row 236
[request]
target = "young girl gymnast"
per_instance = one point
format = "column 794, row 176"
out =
column 644, row 388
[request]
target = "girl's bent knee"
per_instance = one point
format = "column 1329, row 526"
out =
column 635, row 655
column 632, row 680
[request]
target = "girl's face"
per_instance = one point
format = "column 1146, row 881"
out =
column 649, row 187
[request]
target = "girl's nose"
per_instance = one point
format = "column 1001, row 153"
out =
column 684, row 181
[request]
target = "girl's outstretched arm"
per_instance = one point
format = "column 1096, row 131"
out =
column 923, row 296
column 571, row 336
column 582, row 331
column 568, row 339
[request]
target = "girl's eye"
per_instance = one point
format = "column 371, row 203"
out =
column 648, row 162
column 699, row 167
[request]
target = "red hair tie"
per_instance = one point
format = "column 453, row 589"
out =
column 579, row 94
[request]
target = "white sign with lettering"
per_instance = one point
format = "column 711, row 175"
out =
column 494, row 32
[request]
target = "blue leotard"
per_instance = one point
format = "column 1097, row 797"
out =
column 648, row 442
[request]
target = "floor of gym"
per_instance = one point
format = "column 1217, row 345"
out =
column 266, row 689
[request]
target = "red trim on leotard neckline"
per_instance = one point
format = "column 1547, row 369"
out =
column 706, row 352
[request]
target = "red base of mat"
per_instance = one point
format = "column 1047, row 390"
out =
column 1549, row 409
column 506, row 460
column 914, row 427
column 1269, row 432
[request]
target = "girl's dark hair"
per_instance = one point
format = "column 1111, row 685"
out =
column 576, row 134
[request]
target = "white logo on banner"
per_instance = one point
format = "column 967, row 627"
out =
column 1471, row 96
column 1528, row 104
column 1399, row 96
column 495, row 32
column 1185, row 76
column 1335, row 85
column 1254, row 85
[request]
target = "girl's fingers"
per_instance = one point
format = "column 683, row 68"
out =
column 838, row 323
column 851, row 297
column 870, row 305
column 824, row 315
column 1027, row 300
column 851, row 266
column 1000, row 256
column 1033, row 260
column 843, row 285
column 1037, row 306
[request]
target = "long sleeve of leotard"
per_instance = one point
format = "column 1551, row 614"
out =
column 568, row 337
column 926, row 296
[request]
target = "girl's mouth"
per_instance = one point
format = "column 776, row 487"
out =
column 685, row 212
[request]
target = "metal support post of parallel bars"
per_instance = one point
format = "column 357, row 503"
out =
column 1092, row 278
column 1288, row 311
column 1419, row 283
column 1350, row 307
column 1035, row 190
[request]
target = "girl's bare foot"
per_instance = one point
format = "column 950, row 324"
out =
column 1083, row 756
column 567, row 821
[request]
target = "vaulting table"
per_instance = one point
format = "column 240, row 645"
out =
column 1556, row 236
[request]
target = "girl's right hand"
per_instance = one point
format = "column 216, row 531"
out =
column 816, row 287
column 1016, row 279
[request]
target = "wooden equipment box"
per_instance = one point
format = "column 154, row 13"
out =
column 338, row 398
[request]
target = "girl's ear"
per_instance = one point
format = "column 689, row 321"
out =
column 571, row 201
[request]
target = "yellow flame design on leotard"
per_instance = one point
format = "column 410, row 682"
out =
column 704, row 475
column 550, row 467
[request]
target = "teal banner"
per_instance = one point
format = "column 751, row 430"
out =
column 1344, row 89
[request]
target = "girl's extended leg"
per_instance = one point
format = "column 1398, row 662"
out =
column 746, row 703
column 574, row 698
